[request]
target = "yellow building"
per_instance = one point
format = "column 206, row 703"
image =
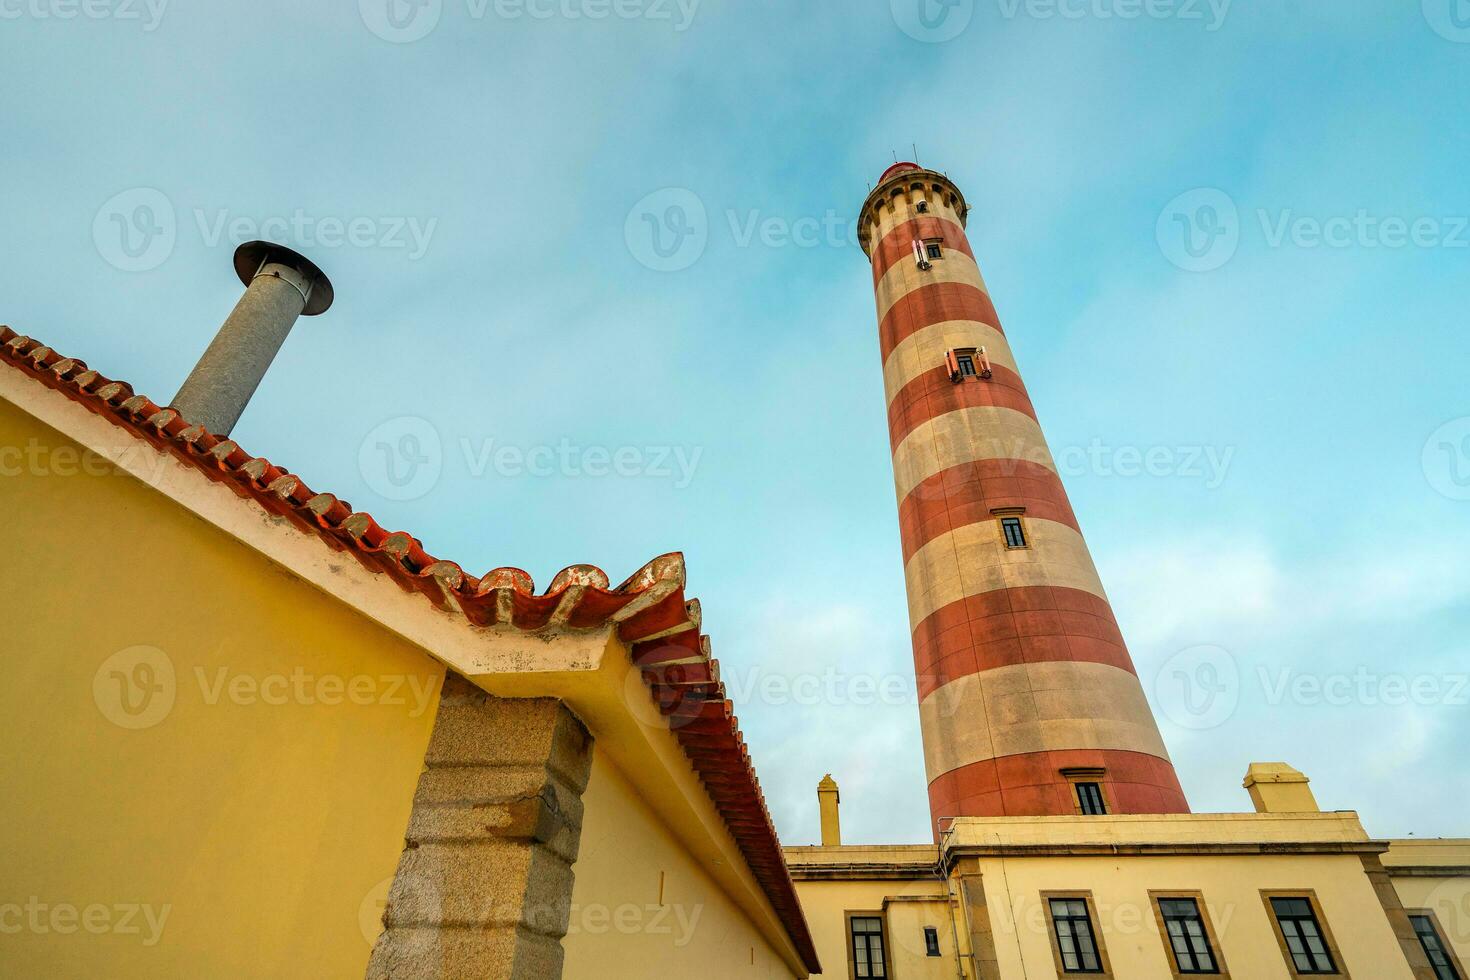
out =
column 252, row 734
column 1156, row 896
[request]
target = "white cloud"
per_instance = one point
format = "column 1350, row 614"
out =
column 1328, row 650
column 1197, row 585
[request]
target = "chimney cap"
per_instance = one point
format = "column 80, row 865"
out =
column 250, row 257
column 1273, row 772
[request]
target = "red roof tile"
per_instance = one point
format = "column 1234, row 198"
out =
column 649, row 610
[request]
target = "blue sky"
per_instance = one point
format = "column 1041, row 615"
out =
column 1265, row 428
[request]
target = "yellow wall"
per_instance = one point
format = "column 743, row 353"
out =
column 904, row 920
column 1449, row 900
column 827, row 903
column 1045, row 855
column 258, row 835
column 619, row 927
column 1447, row 896
column 1231, row 886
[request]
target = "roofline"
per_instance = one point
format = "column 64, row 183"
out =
column 493, row 629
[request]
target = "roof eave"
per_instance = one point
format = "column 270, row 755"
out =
column 599, row 649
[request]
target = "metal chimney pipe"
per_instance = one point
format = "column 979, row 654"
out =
column 280, row 285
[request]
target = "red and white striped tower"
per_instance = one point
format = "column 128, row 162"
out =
column 1026, row 688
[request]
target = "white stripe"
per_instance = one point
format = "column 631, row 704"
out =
column 891, row 218
column 1028, row 708
column 924, row 350
column 904, row 276
column 963, row 436
column 973, row 559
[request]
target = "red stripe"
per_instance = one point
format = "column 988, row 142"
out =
column 1006, row 627
column 934, row 303
column 898, row 244
column 933, row 394
column 1032, row 785
column 965, row 494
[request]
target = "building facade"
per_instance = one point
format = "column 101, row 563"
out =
column 252, row 733
column 1283, row 892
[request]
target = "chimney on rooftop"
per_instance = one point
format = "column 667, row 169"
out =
column 1276, row 787
column 827, row 800
column 280, row 285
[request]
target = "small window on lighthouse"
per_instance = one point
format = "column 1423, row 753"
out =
column 968, row 363
column 1014, row 531
column 1090, row 799
column 934, row 249
column 922, row 207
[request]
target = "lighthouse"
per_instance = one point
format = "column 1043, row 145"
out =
column 1029, row 703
